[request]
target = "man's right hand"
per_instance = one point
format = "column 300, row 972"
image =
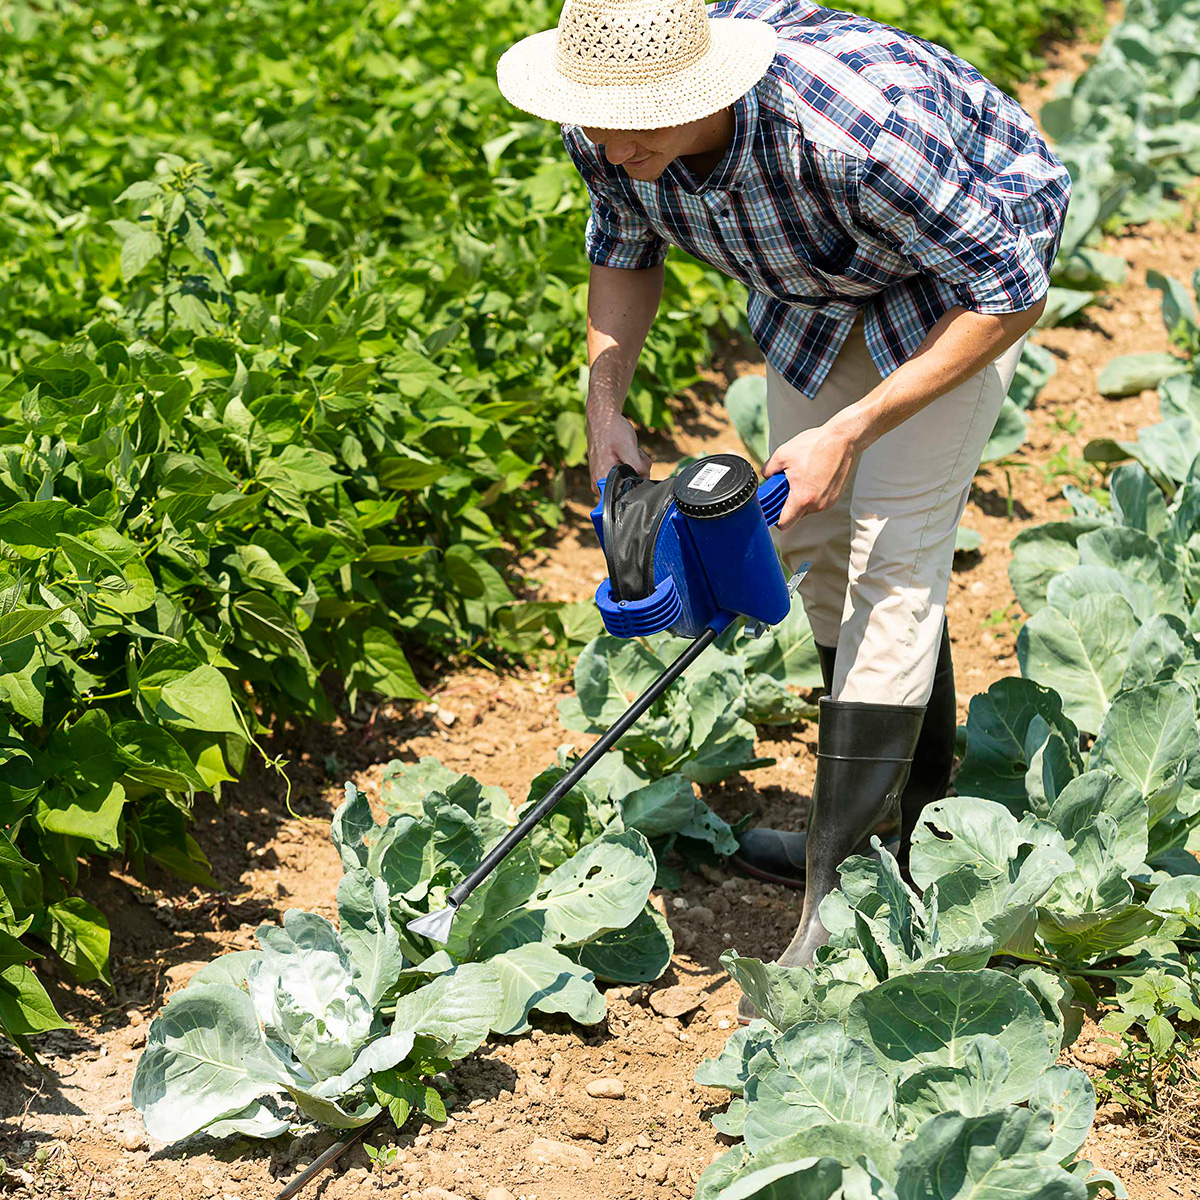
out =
column 611, row 440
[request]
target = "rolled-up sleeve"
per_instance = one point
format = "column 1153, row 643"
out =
column 917, row 191
column 617, row 235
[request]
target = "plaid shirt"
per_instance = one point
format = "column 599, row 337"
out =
column 870, row 170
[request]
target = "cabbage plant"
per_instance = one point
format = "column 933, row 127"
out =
column 549, row 934
column 315, row 1025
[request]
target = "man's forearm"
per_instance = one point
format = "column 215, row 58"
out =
column 957, row 347
column 621, row 308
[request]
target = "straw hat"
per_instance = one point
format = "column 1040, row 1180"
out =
column 635, row 64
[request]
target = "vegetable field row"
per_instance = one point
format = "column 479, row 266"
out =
column 292, row 365
column 287, row 329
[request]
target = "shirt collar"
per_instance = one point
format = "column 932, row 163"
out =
column 729, row 171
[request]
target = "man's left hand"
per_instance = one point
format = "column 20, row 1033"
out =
column 818, row 464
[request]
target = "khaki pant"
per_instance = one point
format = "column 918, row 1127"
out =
column 881, row 557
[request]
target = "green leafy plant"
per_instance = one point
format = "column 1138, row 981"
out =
column 1154, row 1000
column 317, row 1025
column 548, row 935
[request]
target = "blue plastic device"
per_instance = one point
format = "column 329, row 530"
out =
column 714, row 559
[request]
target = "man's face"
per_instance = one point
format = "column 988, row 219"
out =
column 644, row 153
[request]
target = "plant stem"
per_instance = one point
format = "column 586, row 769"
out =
column 109, row 696
column 165, row 283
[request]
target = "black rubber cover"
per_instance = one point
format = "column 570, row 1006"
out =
column 633, row 511
column 715, row 486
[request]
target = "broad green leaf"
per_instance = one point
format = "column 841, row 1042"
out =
column 204, row 1059
column 474, row 577
column 1078, row 809
column 664, row 806
column 201, row 699
column 536, row 976
column 1077, row 582
column 928, row 1018
column 998, row 725
column 602, row 888
column 1009, row 433
column 1035, row 368
column 25, row 621
column 610, row 673
column 1161, row 650
column 232, row 968
column 747, row 1049
column 78, row 934
column 368, row 935
column 256, row 1120
column 1067, row 1094
column 1137, row 501
column 995, row 1156
column 1080, row 654
column 793, row 1168
column 1135, row 554
column 977, row 1085
column 410, row 852
column 457, row 1009
column 25, row 1008
column 94, row 814
column 151, row 755
column 637, row 954
column 1133, row 373
column 1040, row 553
column 1149, row 739
column 138, row 251
column 384, row 668
column 352, row 824
column 782, row 995
column 820, row 1077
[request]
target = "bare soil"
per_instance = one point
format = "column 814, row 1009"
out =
column 521, row 1118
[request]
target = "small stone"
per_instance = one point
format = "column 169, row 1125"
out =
column 703, row 916
column 437, row 1193
column 131, row 1135
column 606, row 1089
column 499, row 1193
column 134, row 1018
column 585, row 1125
column 558, row 1154
column 675, row 1001
column 657, row 1170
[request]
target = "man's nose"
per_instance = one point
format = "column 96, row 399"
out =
column 618, row 147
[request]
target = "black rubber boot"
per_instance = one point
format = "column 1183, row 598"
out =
column 864, row 754
column 777, row 855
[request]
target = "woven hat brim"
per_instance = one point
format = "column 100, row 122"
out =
column 740, row 52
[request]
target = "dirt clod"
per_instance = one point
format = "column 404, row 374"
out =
column 558, row 1154
column 657, row 1170
column 675, row 1001
column 585, row 1125
column 606, row 1089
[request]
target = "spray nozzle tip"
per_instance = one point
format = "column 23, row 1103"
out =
column 434, row 925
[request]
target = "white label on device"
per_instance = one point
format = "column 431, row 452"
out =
column 708, row 477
